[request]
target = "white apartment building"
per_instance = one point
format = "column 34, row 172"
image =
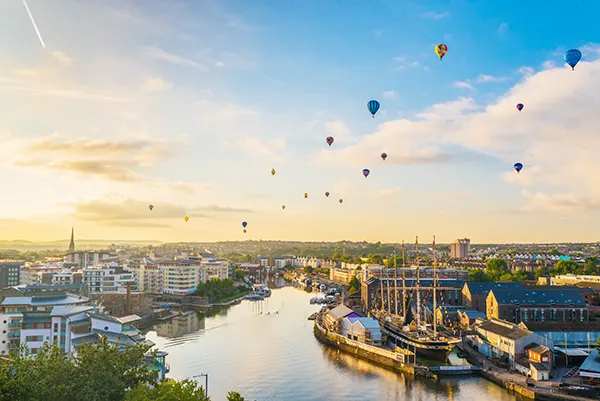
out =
column 148, row 275
column 303, row 261
column 212, row 269
column 40, row 274
column 84, row 259
column 181, row 276
column 67, row 276
column 108, row 279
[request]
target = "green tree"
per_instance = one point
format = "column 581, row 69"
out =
column 478, row 275
column 590, row 267
column 308, row 269
column 375, row 259
column 519, row 276
column 565, row 267
column 234, row 396
column 505, row 277
column 354, row 285
column 495, row 268
column 541, row 271
column 220, row 290
column 239, row 275
column 169, row 390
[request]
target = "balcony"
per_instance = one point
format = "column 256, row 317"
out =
column 14, row 334
column 14, row 325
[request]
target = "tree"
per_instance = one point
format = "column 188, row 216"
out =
column 354, row 285
column 239, row 274
column 234, row 396
column 375, row 259
column 308, row 269
column 541, row 271
column 495, row 268
column 565, row 267
column 478, row 275
column 590, row 267
column 169, row 390
column 506, row 277
column 519, row 276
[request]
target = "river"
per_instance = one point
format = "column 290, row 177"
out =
column 274, row 356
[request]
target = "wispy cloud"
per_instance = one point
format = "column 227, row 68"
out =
column 156, row 84
column 157, row 53
column 527, row 71
column 503, row 28
column 386, row 193
column 436, row 16
column 259, row 147
column 402, row 63
column 546, row 65
column 337, row 129
column 462, row 84
column 482, row 78
column 62, row 58
column 389, row 94
column 452, row 195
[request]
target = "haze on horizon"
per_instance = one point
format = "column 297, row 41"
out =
column 187, row 105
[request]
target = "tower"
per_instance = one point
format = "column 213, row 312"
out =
column 72, row 243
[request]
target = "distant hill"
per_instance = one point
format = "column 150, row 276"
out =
column 23, row 245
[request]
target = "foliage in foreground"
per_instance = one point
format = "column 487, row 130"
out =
column 220, row 290
column 99, row 372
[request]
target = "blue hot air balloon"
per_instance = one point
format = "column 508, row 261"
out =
column 384, row 156
column 518, row 167
column 520, row 106
column 366, row 172
column 244, row 224
column 572, row 57
column 373, row 106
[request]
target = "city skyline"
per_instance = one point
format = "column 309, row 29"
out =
column 189, row 105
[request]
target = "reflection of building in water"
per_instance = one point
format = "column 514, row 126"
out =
column 187, row 322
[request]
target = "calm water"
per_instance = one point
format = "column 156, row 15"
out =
column 276, row 357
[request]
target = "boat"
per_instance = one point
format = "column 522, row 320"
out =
column 423, row 339
column 262, row 290
column 254, row 297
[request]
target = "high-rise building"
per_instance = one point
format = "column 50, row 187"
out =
column 460, row 248
column 10, row 273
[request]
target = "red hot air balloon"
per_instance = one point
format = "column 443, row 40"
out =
column 327, row 194
column 329, row 140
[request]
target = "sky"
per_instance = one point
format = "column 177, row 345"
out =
column 188, row 105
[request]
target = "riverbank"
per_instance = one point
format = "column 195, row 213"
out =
column 516, row 382
column 376, row 355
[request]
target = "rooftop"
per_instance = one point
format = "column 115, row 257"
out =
column 480, row 288
column 339, row 312
column 120, row 320
column 538, row 297
column 504, row 329
column 68, row 310
column 62, row 299
column 573, row 326
column 591, row 366
column 366, row 322
column 473, row 313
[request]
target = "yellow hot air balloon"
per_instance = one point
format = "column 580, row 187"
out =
column 341, row 201
column 273, row 171
column 441, row 50
column 186, row 218
column 283, row 207
column 305, row 195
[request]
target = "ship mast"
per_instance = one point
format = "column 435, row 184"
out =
column 418, row 287
column 403, row 287
column 395, row 283
column 387, row 280
column 381, row 288
column 434, row 291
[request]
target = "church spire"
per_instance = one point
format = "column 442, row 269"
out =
column 72, row 243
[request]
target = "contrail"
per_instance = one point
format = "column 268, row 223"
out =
column 34, row 25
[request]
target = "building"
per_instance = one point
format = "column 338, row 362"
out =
column 460, row 248
column 10, row 273
column 364, row 329
column 333, row 318
column 506, row 340
column 589, row 372
column 447, row 315
column 181, row 276
column 303, row 261
column 424, row 273
column 532, row 305
column 572, row 337
column 39, row 274
column 67, row 276
column 574, row 279
column 214, row 269
column 83, row 259
column 467, row 317
column 148, row 275
column 72, row 243
column 37, row 300
column 109, row 278
column 474, row 294
column 342, row 275
column 279, row 262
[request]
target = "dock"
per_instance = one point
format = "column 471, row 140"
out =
column 465, row 370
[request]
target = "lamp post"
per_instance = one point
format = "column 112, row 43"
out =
column 206, row 381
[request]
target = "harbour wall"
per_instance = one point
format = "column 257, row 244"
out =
column 370, row 353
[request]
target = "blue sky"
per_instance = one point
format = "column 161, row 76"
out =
column 188, row 105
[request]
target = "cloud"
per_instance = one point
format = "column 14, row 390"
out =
column 436, row 16
column 259, row 147
column 217, row 110
column 156, row 84
column 482, row 78
column 548, row 64
column 452, row 195
column 527, row 71
column 503, row 28
column 386, row 193
column 560, row 203
column 389, row 94
column 221, row 209
column 462, row 84
column 62, row 58
column 555, row 143
column 337, row 129
column 114, row 160
column 156, row 53
column 402, row 63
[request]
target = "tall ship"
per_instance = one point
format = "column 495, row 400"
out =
column 409, row 330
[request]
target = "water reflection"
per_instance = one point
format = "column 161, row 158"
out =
column 186, row 323
column 274, row 356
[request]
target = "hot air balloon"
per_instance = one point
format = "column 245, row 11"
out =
column 518, row 167
column 441, row 50
column 244, row 224
column 186, row 218
column 305, row 195
column 373, row 106
column 520, row 106
column 384, row 156
column 273, row 171
column 327, row 194
column 283, row 207
column 572, row 57
column 341, row 201
column 244, row 231
column 366, row 172
column 151, row 207
column 329, row 140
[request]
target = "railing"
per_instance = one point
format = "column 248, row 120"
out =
column 14, row 325
column 14, row 334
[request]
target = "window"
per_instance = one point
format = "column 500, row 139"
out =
column 55, row 327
